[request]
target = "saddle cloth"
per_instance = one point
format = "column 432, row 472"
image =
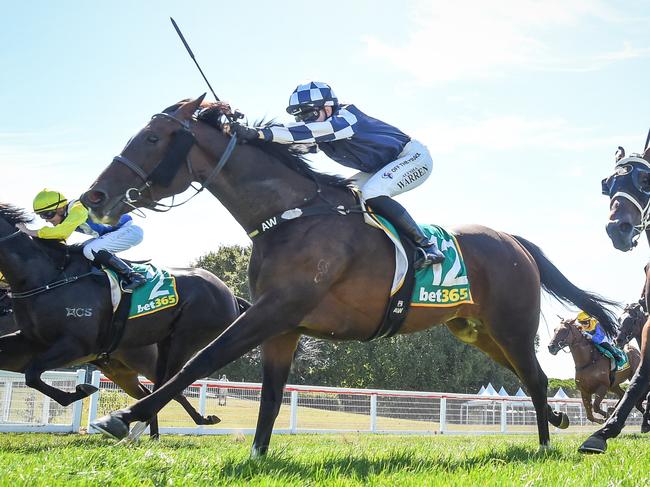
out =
column 619, row 366
column 158, row 293
column 440, row 285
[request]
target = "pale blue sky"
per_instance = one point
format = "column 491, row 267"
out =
column 522, row 104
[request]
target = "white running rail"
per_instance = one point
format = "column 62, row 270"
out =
column 314, row 409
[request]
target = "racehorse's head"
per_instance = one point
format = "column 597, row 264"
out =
column 155, row 164
column 629, row 192
column 631, row 322
column 563, row 336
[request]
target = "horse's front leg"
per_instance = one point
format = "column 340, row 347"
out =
column 599, row 395
column 597, row 442
column 586, row 402
column 59, row 354
column 645, row 422
column 277, row 311
column 277, row 356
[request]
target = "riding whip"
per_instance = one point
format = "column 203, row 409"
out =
column 232, row 117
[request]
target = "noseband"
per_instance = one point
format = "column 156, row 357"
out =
column 164, row 172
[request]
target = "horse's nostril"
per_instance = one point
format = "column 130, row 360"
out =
column 93, row 198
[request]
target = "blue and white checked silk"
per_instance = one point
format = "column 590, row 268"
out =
column 340, row 126
column 349, row 136
column 314, row 93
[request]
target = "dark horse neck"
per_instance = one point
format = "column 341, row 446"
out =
column 255, row 184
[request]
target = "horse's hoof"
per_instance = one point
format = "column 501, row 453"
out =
column 257, row 453
column 593, row 444
column 212, row 419
column 645, row 427
column 112, row 426
column 564, row 424
column 86, row 389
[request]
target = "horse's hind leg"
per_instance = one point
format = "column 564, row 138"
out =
column 496, row 352
column 520, row 352
column 277, row 356
column 586, row 402
column 600, row 394
column 172, row 355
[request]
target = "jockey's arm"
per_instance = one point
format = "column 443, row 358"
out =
column 340, row 126
column 76, row 216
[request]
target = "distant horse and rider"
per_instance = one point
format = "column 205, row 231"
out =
column 595, row 374
column 317, row 267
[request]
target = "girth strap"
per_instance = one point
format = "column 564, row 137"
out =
column 112, row 334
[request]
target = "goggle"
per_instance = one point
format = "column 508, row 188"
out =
column 310, row 114
column 47, row 215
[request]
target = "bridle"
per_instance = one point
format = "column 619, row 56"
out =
column 164, row 172
column 624, row 167
column 562, row 344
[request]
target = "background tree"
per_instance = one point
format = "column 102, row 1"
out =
column 230, row 264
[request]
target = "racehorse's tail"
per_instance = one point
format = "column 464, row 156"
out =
column 554, row 283
column 242, row 304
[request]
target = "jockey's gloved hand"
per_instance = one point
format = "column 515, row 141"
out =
column 213, row 112
column 243, row 132
column 211, row 115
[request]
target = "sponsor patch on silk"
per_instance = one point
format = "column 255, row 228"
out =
column 444, row 284
column 157, row 294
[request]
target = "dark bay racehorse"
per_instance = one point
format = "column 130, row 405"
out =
column 327, row 275
column 631, row 324
column 122, row 367
column 592, row 368
column 629, row 193
column 43, row 293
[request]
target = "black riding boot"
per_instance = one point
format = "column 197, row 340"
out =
column 398, row 216
column 131, row 278
column 616, row 353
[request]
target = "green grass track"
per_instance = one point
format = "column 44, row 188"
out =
column 46, row 459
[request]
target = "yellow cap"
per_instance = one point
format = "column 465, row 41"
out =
column 49, row 200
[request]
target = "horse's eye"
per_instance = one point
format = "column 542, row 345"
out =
column 152, row 139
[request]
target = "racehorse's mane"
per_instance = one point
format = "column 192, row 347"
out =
column 291, row 155
column 12, row 214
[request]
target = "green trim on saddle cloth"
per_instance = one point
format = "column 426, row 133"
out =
column 158, row 293
column 620, row 366
column 439, row 285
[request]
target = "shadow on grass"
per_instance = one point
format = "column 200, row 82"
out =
column 361, row 467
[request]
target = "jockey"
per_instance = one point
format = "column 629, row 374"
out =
column 390, row 162
column 592, row 330
column 67, row 217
